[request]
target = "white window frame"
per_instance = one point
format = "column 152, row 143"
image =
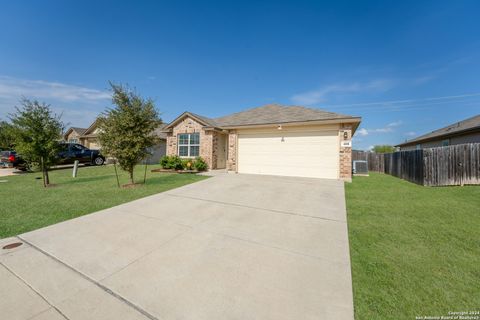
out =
column 188, row 145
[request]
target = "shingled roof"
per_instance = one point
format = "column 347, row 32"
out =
column 466, row 125
column 79, row 131
column 275, row 113
column 268, row 114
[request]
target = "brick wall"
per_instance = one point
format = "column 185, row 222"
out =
column 345, row 153
column 232, row 151
column 189, row 125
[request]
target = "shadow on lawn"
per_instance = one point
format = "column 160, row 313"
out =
column 89, row 179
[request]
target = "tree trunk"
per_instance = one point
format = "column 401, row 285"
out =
column 116, row 173
column 131, row 176
column 42, row 167
column 47, row 177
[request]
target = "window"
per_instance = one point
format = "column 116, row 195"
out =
column 418, row 146
column 189, row 144
column 73, row 140
column 445, row 142
column 77, row 148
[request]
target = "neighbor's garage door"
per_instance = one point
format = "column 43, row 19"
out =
column 301, row 154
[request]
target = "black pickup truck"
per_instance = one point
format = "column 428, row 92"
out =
column 69, row 152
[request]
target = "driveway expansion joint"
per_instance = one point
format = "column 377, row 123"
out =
column 257, row 208
column 36, row 292
column 93, row 281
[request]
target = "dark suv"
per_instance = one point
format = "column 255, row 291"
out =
column 69, row 152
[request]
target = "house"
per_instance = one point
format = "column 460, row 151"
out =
column 272, row 139
column 73, row 134
column 466, row 131
column 88, row 138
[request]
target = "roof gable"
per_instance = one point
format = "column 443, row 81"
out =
column 91, row 129
column 78, row 131
column 200, row 119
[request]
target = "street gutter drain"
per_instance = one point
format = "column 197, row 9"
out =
column 12, row 245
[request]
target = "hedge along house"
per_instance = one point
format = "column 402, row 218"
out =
column 271, row 140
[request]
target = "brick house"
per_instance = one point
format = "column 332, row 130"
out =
column 88, row 138
column 272, row 139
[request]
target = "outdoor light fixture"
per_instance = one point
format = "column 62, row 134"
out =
column 279, row 127
column 345, row 135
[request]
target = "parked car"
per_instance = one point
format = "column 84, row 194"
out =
column 73, row 151
column 11, row 159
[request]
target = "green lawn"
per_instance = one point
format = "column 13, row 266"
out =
column 25, row 205
column 415, row 250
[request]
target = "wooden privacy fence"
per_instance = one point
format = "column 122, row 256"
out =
column 442, row 166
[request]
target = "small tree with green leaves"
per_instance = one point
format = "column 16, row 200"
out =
column 7, row 137
column 127, row 130
column 383, row 149
column 37, row 130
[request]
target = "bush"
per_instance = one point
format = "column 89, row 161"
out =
column 171, row 162
column 177, row 163
column 200, row 164
column 187, row 164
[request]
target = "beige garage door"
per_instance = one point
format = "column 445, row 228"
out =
column 300, row 154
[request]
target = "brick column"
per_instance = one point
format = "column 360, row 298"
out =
column 171, row 144
column 345, row 153
column 232, row 151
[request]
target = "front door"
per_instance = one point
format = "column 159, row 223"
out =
column 222, row 151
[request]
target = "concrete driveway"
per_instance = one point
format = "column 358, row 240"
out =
column 229, row 247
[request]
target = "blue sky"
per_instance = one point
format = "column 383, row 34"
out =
column 406, row 67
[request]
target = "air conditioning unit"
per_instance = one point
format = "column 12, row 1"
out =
column 360, row 167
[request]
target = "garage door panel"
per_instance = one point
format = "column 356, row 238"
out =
column 304, row 154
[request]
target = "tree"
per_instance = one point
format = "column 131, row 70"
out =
column 37, row 131
column 383, row 149
column 7, row 138
column 126, row 131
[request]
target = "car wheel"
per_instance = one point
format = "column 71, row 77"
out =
column 98, row 161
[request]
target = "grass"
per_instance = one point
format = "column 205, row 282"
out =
column 415, row 250
column 25, row 205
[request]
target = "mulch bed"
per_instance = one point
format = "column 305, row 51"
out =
column 175, row 171
column 132, row 185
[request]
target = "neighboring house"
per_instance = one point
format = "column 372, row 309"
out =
column 88, row 138
column 73, row 134
column 272, row 140
column 466, row 131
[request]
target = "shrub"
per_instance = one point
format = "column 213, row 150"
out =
column 171, row 162
column 177, row 163
column 187, row 164
column 200, row 164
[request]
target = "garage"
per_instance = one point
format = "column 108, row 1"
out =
column 290, row 152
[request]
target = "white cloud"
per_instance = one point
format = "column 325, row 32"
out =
column 14, row 89
column 78, row 105
column 362, row 132
column 388, row 128
column 320, row 95
column 395, row 124
column 410, row 133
